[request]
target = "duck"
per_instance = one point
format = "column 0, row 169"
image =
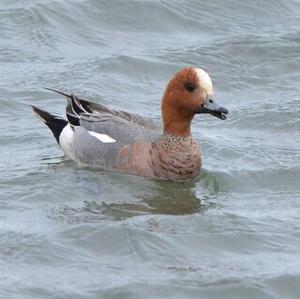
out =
column 94, row 135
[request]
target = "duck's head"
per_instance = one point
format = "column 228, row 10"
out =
column 188, row 93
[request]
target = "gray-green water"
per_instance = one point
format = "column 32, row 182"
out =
column 67, row 232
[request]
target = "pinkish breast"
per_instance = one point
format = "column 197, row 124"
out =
column 175, row 158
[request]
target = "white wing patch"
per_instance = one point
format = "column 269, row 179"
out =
column 102, row 137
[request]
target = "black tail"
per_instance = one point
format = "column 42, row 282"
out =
column 55, row 123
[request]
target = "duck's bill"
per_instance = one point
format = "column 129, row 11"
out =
column 214, row 109
column 220, row 112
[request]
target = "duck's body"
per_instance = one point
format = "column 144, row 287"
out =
column 94, row 135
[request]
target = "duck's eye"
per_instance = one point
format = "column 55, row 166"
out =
column 190, row 86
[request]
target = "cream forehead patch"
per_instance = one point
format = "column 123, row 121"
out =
column 205, row 81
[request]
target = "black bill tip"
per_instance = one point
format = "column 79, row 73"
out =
column 220, row 112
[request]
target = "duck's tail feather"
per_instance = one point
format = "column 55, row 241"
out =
column 73, row 111
column 84, row 105
column 57, row 91
column 74, row 107
column 55, row 123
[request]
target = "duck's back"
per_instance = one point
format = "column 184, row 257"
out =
column 94, row 135
column 92, row 149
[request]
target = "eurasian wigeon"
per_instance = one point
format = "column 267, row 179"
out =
column 94, row 135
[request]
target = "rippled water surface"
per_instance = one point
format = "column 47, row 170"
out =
column 67, row 232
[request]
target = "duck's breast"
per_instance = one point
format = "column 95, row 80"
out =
column 176, row 159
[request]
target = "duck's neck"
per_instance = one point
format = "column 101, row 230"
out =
column 176, row 123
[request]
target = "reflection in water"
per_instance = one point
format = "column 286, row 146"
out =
column 133, row 196
column 168, row 198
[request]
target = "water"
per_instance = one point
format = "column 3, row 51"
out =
column 67, row 232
